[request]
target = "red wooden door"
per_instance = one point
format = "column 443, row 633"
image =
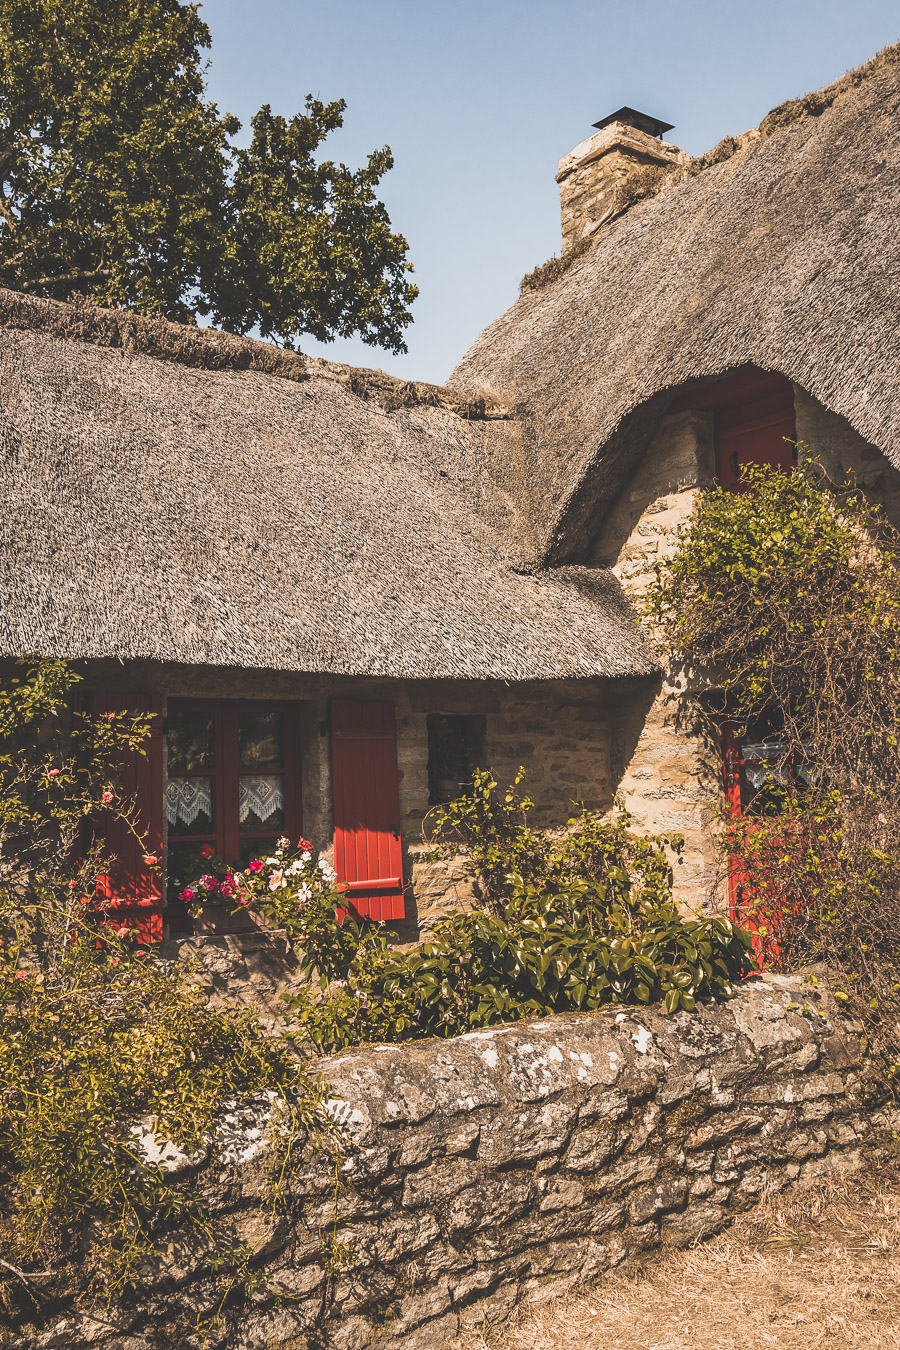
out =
column 132, row 886
column 367, row 851
column 743, row 905
column 755, row 421
column 757, row 428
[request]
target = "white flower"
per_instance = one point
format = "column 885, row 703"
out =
column 305, row 857
column 283, row 843
column 296, row 866
column 271, row 862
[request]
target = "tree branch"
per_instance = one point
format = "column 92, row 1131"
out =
column 24, row 1275
column 66, row 278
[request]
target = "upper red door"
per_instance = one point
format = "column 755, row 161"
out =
column 755, row 422
column 367, row 851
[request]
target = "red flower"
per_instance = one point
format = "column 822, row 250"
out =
column 72, row 885
column 255, row 866
column 107, row 797
column 207, row 851
column 305, row 846
column 52, row 773
column 151, row 860
column 21, row 975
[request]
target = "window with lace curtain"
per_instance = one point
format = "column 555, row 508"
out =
column 232, row 782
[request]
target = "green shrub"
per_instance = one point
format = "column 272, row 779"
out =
column 106, row 1042
column 573, row 923
column 785, row 596
column 97, row 1037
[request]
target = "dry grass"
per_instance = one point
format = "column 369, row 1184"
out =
column 818, row 1268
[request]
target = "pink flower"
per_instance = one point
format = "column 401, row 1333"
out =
column 151, row 859
column 208, row 883
column 107, row 797
column 52, row 773
column 114, row 961
column 186, row 894
column 21, row 975
column 255, row 866
column 276, row 881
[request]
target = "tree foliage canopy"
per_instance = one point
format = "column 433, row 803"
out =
column 119, row 180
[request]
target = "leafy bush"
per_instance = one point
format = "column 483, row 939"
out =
column 817, row 889
column 105, row 1044
column 573, row 923
column 98, row 1038
column 786, row 595
column 59, row 769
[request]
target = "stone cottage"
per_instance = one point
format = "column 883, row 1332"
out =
column 337, row 591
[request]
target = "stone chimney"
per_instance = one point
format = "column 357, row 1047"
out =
column 602, row 175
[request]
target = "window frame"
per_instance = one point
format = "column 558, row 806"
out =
column 227, row 836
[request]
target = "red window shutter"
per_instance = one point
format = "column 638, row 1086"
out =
column 132, row 887
column 367, row 852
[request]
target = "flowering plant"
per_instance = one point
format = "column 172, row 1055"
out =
column 302, row 896
column 216, row 885
column 295, row 892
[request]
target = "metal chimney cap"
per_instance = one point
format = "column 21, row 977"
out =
column 632, row 118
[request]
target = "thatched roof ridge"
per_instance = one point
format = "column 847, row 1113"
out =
column 157, row 509
column 781, row 249
column 211, row 349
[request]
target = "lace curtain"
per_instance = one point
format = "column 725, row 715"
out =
column 186, row 798
column 263, row 794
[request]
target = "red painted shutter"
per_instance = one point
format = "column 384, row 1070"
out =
column 132, row 887
column 367, row 851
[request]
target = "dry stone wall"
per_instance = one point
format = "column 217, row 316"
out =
column 512, row 1164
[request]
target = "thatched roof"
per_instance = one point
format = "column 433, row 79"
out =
column 781, row 248
column 182, row 497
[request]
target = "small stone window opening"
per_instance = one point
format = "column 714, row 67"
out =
column 455, row 749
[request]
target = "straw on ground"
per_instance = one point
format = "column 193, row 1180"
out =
column 818, row 1268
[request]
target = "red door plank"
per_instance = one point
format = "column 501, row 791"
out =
column 132, row 888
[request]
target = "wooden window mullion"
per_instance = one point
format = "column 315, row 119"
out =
column 230, row 807
column 293, row 810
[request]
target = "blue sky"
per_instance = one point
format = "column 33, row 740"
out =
column 479, row 99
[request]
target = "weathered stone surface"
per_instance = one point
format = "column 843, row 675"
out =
column 511, row 1163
